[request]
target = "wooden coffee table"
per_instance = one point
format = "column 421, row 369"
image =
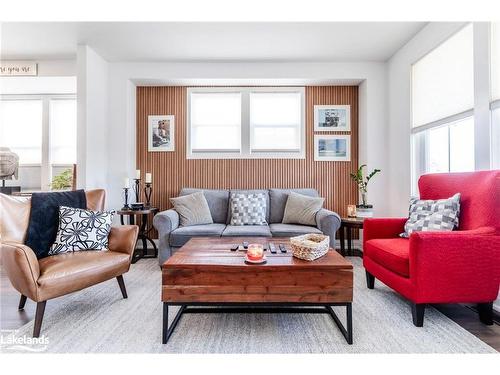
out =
column 205, row 272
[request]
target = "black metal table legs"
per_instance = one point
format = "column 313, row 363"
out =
column 239, row 308
column 143, row 237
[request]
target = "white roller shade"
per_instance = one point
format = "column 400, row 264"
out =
column 495, row 61
column 443, row 80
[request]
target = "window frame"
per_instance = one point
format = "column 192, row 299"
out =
column 245, row 151
column 45, row 165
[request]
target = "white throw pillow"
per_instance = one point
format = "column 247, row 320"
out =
column 301, row 209
column 81, row 230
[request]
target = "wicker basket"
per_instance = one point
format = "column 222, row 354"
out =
column 310, row 246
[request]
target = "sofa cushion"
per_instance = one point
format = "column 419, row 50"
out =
column 291, row 230
column 391, row 253
column 247, row 231
column 277, row 202
column 182, row 235
column 254, row 191
column 218, row 202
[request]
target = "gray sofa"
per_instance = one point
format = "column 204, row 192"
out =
column 172, row 236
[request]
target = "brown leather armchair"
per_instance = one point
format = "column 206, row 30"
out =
column 57, row 275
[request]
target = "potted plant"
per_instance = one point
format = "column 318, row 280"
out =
column 62, row 181
column 364, row 209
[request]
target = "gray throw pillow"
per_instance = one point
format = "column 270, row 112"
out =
column 301, row 209
column 248, row 209
column 432, row 215
column 192, row 209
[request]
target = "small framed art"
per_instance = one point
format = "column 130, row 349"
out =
column 161, row 133
column 332, row 118
column 332, row 147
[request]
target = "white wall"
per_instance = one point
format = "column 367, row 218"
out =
column 123, row 76
column 399, row 114
column 92, row 125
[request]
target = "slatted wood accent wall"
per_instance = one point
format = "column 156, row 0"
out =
column 172, row 171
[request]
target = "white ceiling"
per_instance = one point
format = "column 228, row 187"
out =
column 163, row 41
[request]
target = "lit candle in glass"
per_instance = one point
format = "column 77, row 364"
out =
column 255, row 251
column 351, row 210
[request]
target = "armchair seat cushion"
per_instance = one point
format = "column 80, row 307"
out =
column 69, row 272
column 247, row 231
column 291, row 230
column 181, row 235
column 391, row 253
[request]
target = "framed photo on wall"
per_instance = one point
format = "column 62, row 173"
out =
column 332, row 118
column 161, row 133
column 332, row 147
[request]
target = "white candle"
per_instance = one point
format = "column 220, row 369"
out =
column 126, row 182
column 149, row 178
column 138, row 174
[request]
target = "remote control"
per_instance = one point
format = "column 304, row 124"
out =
column 282, row 248
column 245, row 245
column 235, row 247
column 272, row 248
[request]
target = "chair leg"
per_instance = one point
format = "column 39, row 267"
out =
column 485, row 311
column 370, row 280
column 40, row 309
column 22, row 302
column 122, row 285
column 417, row 312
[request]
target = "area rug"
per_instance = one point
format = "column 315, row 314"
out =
column 98, row 320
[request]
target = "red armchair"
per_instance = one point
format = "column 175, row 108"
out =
column 462, row 266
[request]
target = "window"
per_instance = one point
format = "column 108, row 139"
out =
column 246, row 122
column 41, row 129
column 21, row 129
column 495, row 95
column 275, row 116
column 63, row 131
column 443, row 108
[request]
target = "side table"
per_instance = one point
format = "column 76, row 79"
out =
column 346, row 227
column 144, row 229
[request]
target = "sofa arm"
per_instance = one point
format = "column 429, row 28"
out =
column 21, row 266
column 329, row 223
column 461, row 266
column 122, row 239
column 389, row 227
column 165, row 222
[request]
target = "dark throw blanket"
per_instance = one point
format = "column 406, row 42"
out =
column 44, row 217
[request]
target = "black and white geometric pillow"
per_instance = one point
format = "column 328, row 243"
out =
column 248, row 209
column 82, row 230
column 432, row 215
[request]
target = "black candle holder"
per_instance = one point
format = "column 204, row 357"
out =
column 126, row 206
column 137, row 189
column 148, row 190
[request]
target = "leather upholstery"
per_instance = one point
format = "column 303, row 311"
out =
column 66, row 273
column 58, row 275
column 14, row 218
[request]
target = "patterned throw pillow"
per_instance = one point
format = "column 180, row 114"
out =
column 248, row 209
column 433, row 215
column 82, row 230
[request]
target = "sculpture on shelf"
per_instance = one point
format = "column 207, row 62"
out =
column 9, row 167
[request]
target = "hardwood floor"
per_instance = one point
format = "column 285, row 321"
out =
column 465, row 316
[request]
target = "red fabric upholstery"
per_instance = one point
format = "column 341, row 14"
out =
column 444, row 267
column 479, row 195
column 392, row 253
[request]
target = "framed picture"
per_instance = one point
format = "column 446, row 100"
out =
column 161, row 133
column 332, row 148
column 332, row 118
